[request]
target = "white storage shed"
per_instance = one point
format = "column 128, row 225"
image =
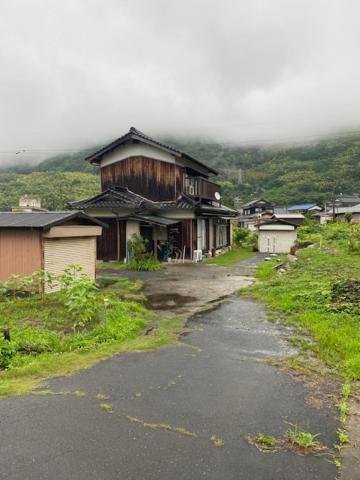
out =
column 276, row 236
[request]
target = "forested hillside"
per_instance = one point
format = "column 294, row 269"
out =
column 282, row 174
column 53, row 188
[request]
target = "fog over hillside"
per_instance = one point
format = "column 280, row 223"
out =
column 77, row 74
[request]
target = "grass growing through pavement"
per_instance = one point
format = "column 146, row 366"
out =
column 301, row 438
column 230, row 257
column 307, row 296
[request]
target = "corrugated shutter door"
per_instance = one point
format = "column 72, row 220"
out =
column 61, row 252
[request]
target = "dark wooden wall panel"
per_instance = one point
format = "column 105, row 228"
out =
column 111, row 245
column 149, row 177
column 188, row 237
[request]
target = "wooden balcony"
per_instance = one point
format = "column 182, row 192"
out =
column 201, row 187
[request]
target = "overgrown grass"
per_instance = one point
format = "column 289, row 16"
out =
column 24, row 378
column 111, row 266
column 230, row 257
column 306, row 295
column 150, row 264
column 43, row 343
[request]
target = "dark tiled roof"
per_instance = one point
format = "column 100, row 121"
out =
column 183, row 201
column 114, row 197
column 121, row 197
column 254, row 202
column 155, row 220
column 40, row 219
column 134, row 134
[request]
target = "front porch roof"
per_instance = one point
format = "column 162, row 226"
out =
column 121, row 197
column 154, row 220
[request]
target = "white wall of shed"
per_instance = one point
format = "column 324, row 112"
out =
column 276, row 241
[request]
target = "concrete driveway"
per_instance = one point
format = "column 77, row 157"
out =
column 180, row 289
column 181, row 412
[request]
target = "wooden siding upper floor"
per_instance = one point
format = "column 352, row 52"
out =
column 156, row 179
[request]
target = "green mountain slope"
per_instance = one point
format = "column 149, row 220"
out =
column 282, row 174
column 53, row 188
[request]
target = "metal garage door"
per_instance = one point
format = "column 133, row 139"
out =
column 61, row 252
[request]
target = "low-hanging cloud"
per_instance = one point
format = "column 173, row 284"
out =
column 80, row 72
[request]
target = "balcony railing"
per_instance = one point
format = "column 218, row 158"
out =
column 201, row 187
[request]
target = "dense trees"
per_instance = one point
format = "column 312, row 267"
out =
column 53, row 188
column 282, row 174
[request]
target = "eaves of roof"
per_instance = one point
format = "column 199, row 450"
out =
column 134, row 134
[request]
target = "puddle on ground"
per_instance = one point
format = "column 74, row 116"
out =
column 168, row 301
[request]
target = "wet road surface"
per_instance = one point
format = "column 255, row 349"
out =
column 181, row 412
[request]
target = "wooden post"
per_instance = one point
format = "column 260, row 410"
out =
column 118, row 240
column 6, row 333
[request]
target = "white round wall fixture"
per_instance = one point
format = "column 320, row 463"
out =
column 217, row 196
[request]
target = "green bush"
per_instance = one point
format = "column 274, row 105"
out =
column 79, row 295
column 139, row 257
column 243, row 237
column 21, row 286
column 46, row 326
column 7, row 352
column 239, row 236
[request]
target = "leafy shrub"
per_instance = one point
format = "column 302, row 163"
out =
column 139, row 257
column 149, row 264
column 243, row 237
column 240, row 235
column 21, row 286
column 7, row 351
column 79, row 295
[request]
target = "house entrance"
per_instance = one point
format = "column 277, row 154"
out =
column 146, row 231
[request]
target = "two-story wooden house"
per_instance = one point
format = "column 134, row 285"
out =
column 253, row 211
column 160, row 192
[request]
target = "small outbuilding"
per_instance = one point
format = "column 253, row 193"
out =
column 276, row 236
column 47, row 240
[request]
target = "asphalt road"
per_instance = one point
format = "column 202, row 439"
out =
column 170, row 407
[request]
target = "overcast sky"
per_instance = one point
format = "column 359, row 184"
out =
column 81, row 72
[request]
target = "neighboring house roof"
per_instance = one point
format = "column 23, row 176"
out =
column 340, row 210
column 41, row 219
column 134, row 134
column 355, row 199
column 259, row 201
column 303, row 206
column 113, row 197
column 280, row 210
